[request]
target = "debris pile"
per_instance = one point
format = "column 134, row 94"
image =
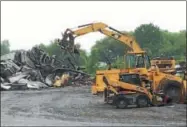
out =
column 35, row 69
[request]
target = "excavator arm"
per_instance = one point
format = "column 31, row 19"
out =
column 67, row 41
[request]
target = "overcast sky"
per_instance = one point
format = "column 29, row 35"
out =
column 26, row 24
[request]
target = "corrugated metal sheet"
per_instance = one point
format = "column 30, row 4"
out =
column 8, row 56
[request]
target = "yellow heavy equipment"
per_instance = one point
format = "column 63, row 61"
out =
column 165, row 64
column 131, row 90
column 128, row 90
column 136, row 61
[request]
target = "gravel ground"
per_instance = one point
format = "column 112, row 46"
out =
column 76, row 106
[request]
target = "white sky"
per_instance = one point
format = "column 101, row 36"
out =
column 28, row 23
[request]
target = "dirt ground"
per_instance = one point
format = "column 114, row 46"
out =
column 76, row 106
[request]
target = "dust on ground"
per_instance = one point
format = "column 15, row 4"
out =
column 76, row 106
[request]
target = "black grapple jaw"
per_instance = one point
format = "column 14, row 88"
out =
column 67, row 42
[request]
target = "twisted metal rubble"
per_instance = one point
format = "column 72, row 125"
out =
column 35, row 69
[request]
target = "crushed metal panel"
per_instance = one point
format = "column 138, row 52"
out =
column 5, row 86
column 9, row 56
column 8, row 68
column 26, row 60
column 17, row 77
column 36, row 85
column 23, row 81
column 49, row 79
column 26, row 68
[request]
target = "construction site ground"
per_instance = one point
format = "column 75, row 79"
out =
column 70, row 106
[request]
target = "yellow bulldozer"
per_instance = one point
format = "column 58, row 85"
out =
column 136, row 61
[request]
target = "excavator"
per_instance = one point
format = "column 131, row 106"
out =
column 136, row 61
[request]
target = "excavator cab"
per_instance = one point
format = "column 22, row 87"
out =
column 137, row 61
column 131, row 79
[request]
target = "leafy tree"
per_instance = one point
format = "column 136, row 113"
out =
column 5, row 47
column 149, row 36
column 104, row 51
column 174, row 44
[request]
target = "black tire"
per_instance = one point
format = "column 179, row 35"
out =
column 121, row 103
column 173, row 90
column 142, row 101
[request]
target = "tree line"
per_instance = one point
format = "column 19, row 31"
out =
column 150, row 37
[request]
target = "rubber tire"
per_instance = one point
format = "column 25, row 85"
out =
column 142, row 97
column 119, row 100
column 169, row 86
column 175, row 99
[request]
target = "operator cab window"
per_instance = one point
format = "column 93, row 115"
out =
column 131, row 79
column 140, row 62
column 143, row 61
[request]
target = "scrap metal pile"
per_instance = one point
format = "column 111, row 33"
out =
column 36, row 69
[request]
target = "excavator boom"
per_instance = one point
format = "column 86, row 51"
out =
column 128, row 40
